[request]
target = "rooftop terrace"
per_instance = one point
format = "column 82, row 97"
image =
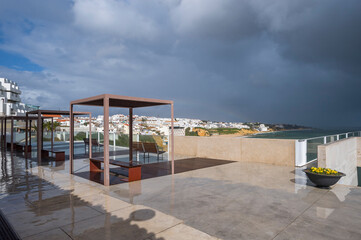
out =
column 203, row 200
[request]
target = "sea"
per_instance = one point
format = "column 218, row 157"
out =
column 304, row 133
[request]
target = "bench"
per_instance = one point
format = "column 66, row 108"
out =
column 94, row 143
column 134, row 170
column 21, row 147
column 138, row 147
column 59, row 155
column 152, row 148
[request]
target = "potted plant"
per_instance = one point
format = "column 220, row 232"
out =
column 323, row 177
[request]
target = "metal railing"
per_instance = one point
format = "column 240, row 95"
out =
column 306, row 149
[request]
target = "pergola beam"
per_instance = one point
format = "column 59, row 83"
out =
column 130, row 120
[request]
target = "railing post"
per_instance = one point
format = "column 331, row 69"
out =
column 338, row 137
column 300, row 152
column 346, row 135
column 114, row 140
column 137, row 139
column 324, row 140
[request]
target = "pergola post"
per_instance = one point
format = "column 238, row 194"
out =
column 90, row 136
column 12, row 134
column 31, row 121
column 26, row 135
column 2, row 130
column 172, row 137
column 4, row 134
column 130, row 120
column 52, row 134
column 42, row 133
column 71, row 140
column 106, row 141
column 39, row 137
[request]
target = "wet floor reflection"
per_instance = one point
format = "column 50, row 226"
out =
column 228, row 200
column 34, row 205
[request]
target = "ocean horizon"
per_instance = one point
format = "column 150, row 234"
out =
column 304, row 133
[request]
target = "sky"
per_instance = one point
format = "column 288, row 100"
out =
column 282, row 61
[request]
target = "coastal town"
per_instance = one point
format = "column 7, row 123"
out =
column 142, row 125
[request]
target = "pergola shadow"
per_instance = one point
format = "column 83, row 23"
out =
column 154, row 170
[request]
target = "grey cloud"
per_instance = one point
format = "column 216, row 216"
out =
column 284, row 61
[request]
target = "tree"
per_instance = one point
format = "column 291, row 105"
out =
column 47, row 126
column 188, row 132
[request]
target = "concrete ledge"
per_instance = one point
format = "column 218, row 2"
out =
column 271, row 151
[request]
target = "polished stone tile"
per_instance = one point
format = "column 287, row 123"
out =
column 135, row 222
column 183, row 232
column 38, row 220
column 55, row 234
column 341, row 217
column 14, row 203
column 231, row 201
column 304, row 228
column 104, row 203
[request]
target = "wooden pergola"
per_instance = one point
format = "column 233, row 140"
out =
column 110, row 100
column 3, row 121
column 40, row 119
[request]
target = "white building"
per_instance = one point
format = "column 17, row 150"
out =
column 10, row 102
column 262, row 128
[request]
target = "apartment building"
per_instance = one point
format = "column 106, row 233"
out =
column 10, row 101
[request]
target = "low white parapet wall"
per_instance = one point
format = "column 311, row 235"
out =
column 344, row 156
column 262, row 150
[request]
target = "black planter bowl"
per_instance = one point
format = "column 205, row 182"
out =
column 322, row 180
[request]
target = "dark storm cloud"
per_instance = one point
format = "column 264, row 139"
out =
column 283, row 61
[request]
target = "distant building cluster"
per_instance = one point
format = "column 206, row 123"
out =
column 147, row 125
column 10, row 101
column 11, row 105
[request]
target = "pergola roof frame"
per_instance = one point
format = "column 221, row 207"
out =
column 3, row 120
column 110, row 100
column 40, row 118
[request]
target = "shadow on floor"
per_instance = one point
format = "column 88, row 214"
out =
column 27, row 200
column 153, row 170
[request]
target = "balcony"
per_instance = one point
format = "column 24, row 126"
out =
column 13, row 97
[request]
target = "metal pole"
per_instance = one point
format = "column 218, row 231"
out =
column 5, row 137
column 172, row 136
column 71, row 143
column 42, row 133
column 31, row 121
column 1, row 135
column 90, row 136
column 114, row 141
column 130, row 135
column 38, row 137
column 26, row 135
column 52, row 134
column 12, row 135
column 106, row 141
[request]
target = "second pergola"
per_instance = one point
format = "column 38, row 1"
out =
column 109, row 100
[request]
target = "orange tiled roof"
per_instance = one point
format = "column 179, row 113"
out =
column 52, row 115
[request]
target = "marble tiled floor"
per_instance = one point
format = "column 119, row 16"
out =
column 230, row 201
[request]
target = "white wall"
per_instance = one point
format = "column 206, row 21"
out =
column 342, row 156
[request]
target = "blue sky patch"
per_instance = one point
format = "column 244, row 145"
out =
column 18, row 62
